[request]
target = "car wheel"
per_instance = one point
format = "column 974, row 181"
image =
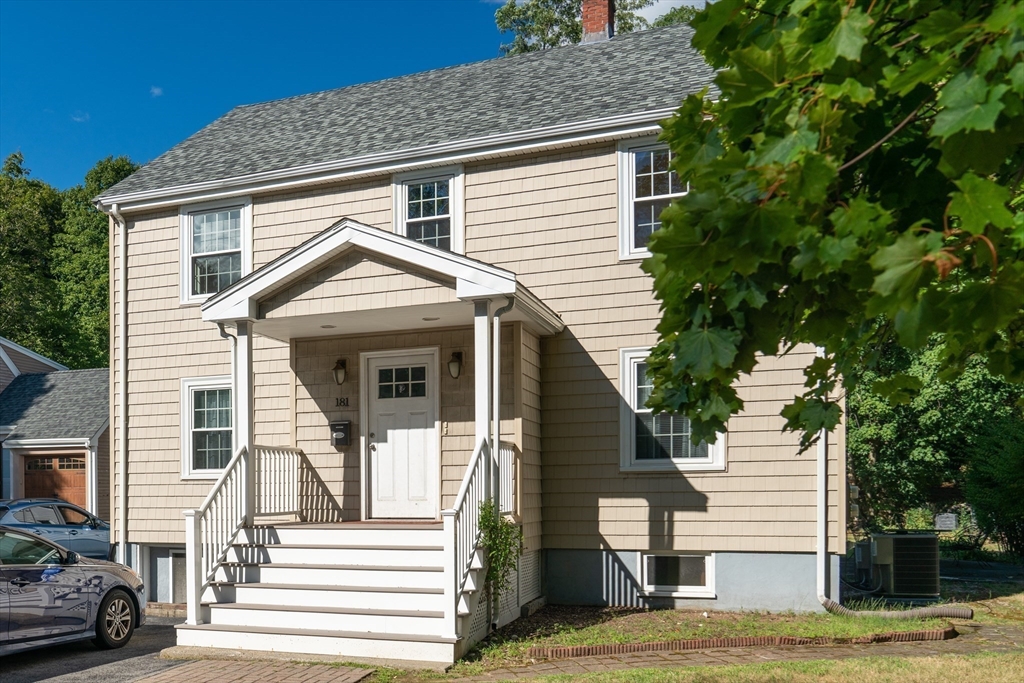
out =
column 115, row 621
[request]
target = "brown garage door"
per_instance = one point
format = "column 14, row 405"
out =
column 56, row 476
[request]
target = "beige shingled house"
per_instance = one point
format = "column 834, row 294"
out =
column 342, row 320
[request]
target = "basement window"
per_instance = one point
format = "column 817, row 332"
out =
column 682, row 575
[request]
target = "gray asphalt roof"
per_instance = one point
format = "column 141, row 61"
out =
column 68, row 404
column 632, row 73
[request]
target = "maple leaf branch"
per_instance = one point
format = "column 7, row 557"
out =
column 910, row 117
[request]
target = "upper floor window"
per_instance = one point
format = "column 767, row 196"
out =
column 428, row 207
column 647, row 185
column 214, row 248
column 206, row 426
column 662, row 441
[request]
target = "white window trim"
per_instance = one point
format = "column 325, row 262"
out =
column 715, row 462
column 456, row 200
column 706, row 591
column 185, row 213
column 188, row 385
column 626, row 165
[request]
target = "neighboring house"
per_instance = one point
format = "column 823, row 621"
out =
column 57, row 440
column 16, row 360
column 306, row 359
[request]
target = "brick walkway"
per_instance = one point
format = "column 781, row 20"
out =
column 222, row 671
column 974, row 638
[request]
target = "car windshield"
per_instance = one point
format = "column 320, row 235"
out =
column 18, row 548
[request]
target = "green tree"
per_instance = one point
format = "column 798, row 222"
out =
column 683, row 14
column 858, row 166
column 916, row 453
column 995, row 482
column 81, row 262
column 30, row 216
column 540, row 24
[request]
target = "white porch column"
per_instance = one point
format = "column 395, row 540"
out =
column 496, row 412
column 482, row 375
column 243, row 412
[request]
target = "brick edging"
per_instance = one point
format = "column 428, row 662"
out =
column 566, row 652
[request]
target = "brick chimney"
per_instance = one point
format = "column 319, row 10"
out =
column 598, row 20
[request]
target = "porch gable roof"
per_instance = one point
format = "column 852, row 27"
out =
column 473, row 279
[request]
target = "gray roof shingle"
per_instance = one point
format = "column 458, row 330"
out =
column 68, row 404
column 636, row 72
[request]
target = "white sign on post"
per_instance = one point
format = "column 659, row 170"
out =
column 945, row 522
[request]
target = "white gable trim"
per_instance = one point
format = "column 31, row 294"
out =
column 28, row 352
column 473, row 279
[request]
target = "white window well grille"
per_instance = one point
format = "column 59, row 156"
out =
column 681, row 575
column 428, row 207
column 215, row 248
column 207, row 436
column 649, row 442
column 647, row 185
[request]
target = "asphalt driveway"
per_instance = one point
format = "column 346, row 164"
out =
column 83, row 662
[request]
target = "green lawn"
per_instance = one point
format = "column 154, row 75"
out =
column 980, row 668
column 597, row 626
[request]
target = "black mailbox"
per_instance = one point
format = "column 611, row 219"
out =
column 340, row 432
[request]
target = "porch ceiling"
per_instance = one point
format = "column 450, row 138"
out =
column 355, row 279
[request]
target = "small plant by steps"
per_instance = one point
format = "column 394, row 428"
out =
column 504, row 543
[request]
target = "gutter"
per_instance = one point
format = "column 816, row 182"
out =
column 48, row 443
column 122, row 386
column 624, row 125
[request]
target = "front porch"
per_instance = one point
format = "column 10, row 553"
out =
column 361, row 537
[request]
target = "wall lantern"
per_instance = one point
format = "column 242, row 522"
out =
column 455, row 364
column 339, row 371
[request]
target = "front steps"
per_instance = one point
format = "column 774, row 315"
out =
column 358, row 591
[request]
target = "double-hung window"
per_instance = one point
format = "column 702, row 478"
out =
column 647, row 185
column 657, row 442
column 207, row 437
column 428, row 208
column 214, row 248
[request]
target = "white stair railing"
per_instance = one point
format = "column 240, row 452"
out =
column 210, row 530
column 507, row 472
column 277, row 480
column 462, row 531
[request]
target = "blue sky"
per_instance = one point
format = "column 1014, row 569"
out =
column 80, row 81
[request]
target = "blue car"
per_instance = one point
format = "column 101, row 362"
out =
column 65, row 524
column 51, row 595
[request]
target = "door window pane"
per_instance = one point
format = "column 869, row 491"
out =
column 72, row 516
column 403, row 382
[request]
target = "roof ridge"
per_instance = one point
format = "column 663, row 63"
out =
column 536, row 54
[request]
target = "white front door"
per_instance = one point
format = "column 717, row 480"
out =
column 401, row 436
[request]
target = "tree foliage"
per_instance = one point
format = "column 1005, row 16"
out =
column 857, row 165
column 995, row 482
column 683, row 14
column 540, row 24
column 30, row 216
column 916, row 452
column 54, row 263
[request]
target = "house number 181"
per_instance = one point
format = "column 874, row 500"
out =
column 341, row 402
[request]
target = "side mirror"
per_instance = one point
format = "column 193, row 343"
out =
column 71, row 557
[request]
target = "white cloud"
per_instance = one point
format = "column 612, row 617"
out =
column 155, row 91
column 80, row 116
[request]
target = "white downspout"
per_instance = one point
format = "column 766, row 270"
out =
column 234, row 376
column 822, row 506
column 122, row 387
column 496, row 400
